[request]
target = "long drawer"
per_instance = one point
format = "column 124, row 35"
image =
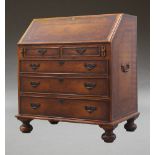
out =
column 84, row 109
column 62, row 66
column 76, row 85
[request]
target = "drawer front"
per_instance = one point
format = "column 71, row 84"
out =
column 40, row 52
column 62, row 66
column 84, row 109
column 86, row 86
column 81, row 51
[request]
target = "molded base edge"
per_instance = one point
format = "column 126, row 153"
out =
column 108, row 136
column 76, row 120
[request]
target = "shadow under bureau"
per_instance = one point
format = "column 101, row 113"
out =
column 79, row 69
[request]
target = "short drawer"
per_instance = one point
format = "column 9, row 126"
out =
column 86, row 86
column 40, row 52
column 81, row 51
column 84, row 109
column 62, row 66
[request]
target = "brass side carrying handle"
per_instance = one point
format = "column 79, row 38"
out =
column 90, row 66
column 90, row 85
column 42, row 51
column 80, row 50
column 125, row 67
column 90, row 109
column 35, row 105
column 34, row 66
column 34, row 84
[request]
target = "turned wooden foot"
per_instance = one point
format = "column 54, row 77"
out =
column 54, row 122
column 26, row 127
column 108, row 136
column 130, row 125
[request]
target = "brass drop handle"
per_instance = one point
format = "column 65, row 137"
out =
column 35, row 105
column 90, row 66
column 90, row 109
column 34, row 84
column 80, row 50
column 90, row 85
column 34, row 66
column 125, row 67
column 42, row 51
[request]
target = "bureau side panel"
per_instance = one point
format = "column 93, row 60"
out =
column 124, row 79
column 18, row 72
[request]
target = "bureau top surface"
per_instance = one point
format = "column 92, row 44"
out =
column 75, row 29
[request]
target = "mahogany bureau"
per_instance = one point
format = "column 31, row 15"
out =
column 79, row 69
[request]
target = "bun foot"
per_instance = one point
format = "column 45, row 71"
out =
column 108, row 136
column 130, row 125
column 26, row 127
column 53, row 122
